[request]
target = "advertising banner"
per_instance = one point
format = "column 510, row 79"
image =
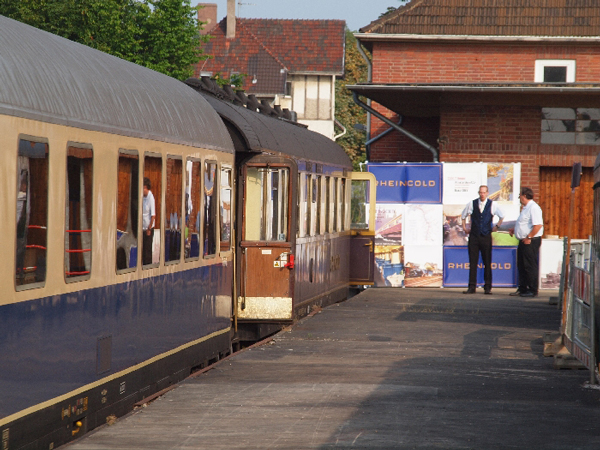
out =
column 456, row 267
column 408, row 183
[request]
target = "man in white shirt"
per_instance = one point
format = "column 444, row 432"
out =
column 529, row 229
column 482, row 212
column 148, row 217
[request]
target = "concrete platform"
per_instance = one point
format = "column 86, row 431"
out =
column 388, row 369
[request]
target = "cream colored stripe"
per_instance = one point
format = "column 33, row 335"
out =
column 87, row 387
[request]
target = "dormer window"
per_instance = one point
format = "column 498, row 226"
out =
column 555, row 71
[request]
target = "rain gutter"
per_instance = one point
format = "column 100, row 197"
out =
column 381, row 117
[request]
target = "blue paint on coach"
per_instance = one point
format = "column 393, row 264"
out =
column 48, row 345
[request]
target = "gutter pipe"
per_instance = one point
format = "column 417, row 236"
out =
column 369, row 79
column 384, row 119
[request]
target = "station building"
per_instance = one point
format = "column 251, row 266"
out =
column 513, row 82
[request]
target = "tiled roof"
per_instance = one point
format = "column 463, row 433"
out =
column 574, row 18
column 267, row 49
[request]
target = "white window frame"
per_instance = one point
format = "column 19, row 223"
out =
column 540, row 64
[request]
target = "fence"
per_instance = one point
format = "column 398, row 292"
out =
column 579, row 323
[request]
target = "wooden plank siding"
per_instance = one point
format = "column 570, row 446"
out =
column 555, row 197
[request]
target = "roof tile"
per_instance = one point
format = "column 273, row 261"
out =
column 266, row 49
column 576, row 18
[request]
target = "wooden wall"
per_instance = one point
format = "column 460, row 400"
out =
column 555, row 197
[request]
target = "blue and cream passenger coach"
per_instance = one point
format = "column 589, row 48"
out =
column 87, row 328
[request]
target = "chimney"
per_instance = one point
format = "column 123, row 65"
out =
column 230, row 19
column 208, row 15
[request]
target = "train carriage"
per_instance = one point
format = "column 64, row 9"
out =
column 294, row 231
column 88, row 326
column 98, row 311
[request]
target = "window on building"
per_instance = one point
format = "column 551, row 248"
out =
column 225, row 198
column 32, row 214
column 127, row 210
column 78, row 214
column 210, row 209
column 571, row 126
column 173, row 221
column 554, row 71
column 192, row 209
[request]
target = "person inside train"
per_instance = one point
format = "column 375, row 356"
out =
column 148, row 219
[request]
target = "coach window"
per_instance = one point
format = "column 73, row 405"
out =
column 309, row 205
column 336, row 197
column 343, row 218
column 210, row 209
column 32, row 213
column 303, row 197
column 151, row 193
column 193, row 176
column 314, row 212
column 78, row 214
column 127, row 210
column 172, row 220
column 266, row 217
column 225, row 198
column 328, row 204
column 318, row 204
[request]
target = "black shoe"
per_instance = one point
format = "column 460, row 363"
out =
column 515, row 294
column 469, row 291
column 528, row 294
column 488, row 292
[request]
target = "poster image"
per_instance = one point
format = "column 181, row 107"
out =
column 462, row 181
column 423, row 266
column 502, row 238
column 503, row 181
column 388, row 223
column 453, row 230
column 389, row 266
column 423, row 225
column 551, row 253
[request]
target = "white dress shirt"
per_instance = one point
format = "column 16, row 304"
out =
column 531, row 215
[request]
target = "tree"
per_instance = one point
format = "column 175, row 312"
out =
column 346, row 111
column 160, row 34
column 391, row 9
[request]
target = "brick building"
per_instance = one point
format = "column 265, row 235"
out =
column 291, row 63
column 516, row 82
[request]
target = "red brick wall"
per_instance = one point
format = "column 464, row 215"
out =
column 479, row 133
column 396, row 146
column 481, row 63
column 505, row 134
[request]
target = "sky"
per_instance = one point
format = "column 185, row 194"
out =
column 356, row 13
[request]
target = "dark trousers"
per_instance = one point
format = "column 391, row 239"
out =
column 528, row 265
column 480, row 244
column 147, row 247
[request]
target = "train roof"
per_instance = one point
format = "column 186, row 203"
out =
column 49, row 78
column 263, row 133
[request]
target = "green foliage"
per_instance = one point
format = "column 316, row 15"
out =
column 391, row 9
column 346, row 111
column 236, row 80
column 159, row 34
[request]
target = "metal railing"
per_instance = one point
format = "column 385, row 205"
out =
column 579, row 326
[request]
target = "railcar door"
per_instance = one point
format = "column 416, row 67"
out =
column 362, row 244
column 267, row 259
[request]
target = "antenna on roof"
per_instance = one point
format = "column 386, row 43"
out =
column 240, row 7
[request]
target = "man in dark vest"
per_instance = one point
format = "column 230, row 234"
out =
column 482, row 212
